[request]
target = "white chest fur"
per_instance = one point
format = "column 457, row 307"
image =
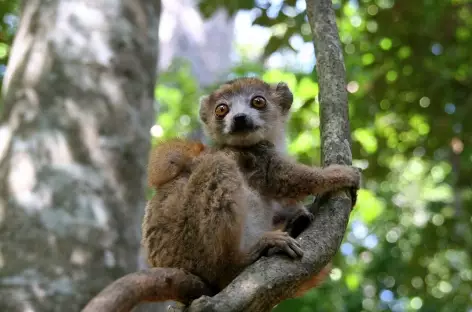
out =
column 259, row 218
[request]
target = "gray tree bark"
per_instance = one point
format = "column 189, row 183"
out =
column 74, row 140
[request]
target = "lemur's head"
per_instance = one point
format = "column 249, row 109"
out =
column 244, row 111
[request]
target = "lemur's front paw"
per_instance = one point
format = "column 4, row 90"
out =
column 278, row 241
column 346, row 176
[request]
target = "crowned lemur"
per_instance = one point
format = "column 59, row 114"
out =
column 214, row 209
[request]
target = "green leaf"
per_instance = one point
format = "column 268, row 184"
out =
column 368, row 207
column 352, row 281
column 307, row 89
column 276, row 76
column 3, row 50
column 367, row 139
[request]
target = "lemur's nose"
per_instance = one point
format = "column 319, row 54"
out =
column 240, row 118
column 241, row 123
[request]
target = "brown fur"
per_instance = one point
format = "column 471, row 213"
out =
column 195, row 220
column 170, row 159
column 314, row 281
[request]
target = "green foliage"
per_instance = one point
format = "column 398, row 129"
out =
column 409, row 241
column 207, row 8
column 177, row 94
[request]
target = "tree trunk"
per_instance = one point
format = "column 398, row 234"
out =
column 74, row 140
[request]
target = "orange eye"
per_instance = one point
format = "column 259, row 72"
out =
column 258, row 102
column 221, row 110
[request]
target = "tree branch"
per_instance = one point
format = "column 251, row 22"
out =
column 157, row 284
column 272, row 279
column 335, row 132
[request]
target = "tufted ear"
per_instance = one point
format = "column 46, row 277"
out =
column 284, row 96
column 203, row 109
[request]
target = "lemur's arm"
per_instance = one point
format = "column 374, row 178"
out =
column 281, row 177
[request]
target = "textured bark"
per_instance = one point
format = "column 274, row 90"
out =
column 268, row 281
column 335, row 132
column 74, row 140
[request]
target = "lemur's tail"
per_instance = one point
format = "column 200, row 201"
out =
column 151, row 285
column 315, row 281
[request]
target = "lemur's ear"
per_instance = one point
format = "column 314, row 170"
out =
column 203, row 110
column 283, row 96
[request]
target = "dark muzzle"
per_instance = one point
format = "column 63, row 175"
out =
column 242, row 123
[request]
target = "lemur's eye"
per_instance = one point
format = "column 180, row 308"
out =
column 221, row 110
column 258, row 102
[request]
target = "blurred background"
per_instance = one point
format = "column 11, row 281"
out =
column 409, row 76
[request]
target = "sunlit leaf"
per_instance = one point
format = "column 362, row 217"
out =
column 420, row 124
column 276, row 76
column 367, row 139
column 404, row 52
column 368, row 58
column 352, row 281
column 391, row 76
column 302, row 143
column 166, row 120
column 441, row 193
column 307, row 89
column 3, row 50
column 369, row 207
column 169, row 95
column 386, row 43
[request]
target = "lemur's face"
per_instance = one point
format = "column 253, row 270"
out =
column 245, row 111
